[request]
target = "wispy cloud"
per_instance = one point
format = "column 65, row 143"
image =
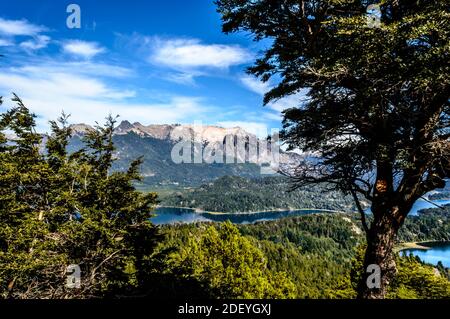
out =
column 85, row 67
column 49, row 89
column 39, row 42
column 20, row 27
column 290, row 101
column 191, row 53
column 10, row 29
column 255, row 85
column 272, row 116
column 182, row 60
column 53, row 84
column 82, row 49
column 5, row 43
column 260, row 88
column 185, row 78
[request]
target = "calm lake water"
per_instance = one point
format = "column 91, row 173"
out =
column 437, row 253
column 169, row 215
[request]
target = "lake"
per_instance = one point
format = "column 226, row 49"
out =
column 438, row 252
column 171, row 215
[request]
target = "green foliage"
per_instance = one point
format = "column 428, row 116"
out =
column 377, row 108
column 58, row 209
column 228, row 265
column 321, row 254
column 314, row 250
column 418, row 281
column 431, row 223
column 414, row 279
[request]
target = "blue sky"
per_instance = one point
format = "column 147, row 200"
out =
column 148, row 61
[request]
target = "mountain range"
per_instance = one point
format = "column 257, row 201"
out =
column 157, row 144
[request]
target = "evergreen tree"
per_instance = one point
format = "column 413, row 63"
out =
column 228, row 265
column 377, row 107
column 58, row 209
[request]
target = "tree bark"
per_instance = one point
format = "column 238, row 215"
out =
column 380, row 244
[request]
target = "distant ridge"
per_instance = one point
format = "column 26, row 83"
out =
column 174, row 132
column 155, row 142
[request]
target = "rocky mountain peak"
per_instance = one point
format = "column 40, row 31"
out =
column 125, row 125
column 206, row 133
column 80, row 129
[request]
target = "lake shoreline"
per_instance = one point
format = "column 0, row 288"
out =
column 200, row 211
column 171, row 215
column 420, row 245
column 436, row 252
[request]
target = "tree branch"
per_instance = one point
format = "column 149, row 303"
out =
column 361, row 212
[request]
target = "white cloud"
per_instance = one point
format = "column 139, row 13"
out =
column 294, row 100
column 47, row 90
column 255, row 85
column 20, row 27
column 14, row 28
column 182, row 60
column 88, row 110
column 260, row 88
column 83, row 49
column 40, row 42
column 88, row 68
column 185, row 78
column 191, row 53
column 69, row 83
column 273, row 116
column 5, row 43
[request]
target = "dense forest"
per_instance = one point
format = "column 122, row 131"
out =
column 429, row 224
column 231, row 194
column 440, row 195
column 319, row 254
column 60, row 210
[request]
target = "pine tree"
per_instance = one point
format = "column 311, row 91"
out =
column 376, row 106
column 228, row 265
column 59, row 209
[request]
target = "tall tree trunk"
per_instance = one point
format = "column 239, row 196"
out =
column 380, row 244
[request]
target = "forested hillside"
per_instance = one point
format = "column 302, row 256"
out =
column 158, row 168
column 320, row 254
column 233, row 194
column 443, row 193
column 429, row 224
